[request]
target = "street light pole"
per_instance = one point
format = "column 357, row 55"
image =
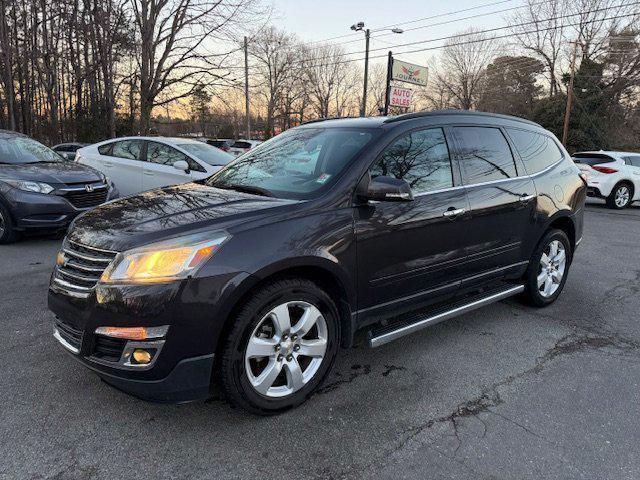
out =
column 363, row 108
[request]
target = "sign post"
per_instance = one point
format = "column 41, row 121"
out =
column 402, row 72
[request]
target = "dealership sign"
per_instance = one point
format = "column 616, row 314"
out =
column 408, row 72
column 400, row 97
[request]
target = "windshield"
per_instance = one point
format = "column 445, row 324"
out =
column 295, row 164
column 207, row 153
column 21, row 150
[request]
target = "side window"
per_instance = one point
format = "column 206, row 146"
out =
column 420, row 158
column 242, row 145
column 537, row 151
column 166, row 155
column 485, row 155
column 105, row 149
column 633, row 160
column 130, row 149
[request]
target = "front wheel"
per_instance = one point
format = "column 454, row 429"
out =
column 282, row 344
column 620, row 197
column 7, row 232
column 548, row 269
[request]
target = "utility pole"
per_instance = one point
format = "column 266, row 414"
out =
column 567, row 112
column 363, row 109
column 387, row 94
column 246, row 87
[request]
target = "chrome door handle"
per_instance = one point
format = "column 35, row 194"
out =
column 108, row 164
column 454, row 213
column 526, row 198
column 147, row 172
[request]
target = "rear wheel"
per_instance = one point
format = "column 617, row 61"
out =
column 282, row 344
column 620, row 197
column 548, row 269
column 7, row 232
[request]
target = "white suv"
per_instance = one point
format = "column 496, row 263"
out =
column 614, row 176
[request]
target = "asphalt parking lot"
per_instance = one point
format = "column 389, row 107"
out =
column 504, row 392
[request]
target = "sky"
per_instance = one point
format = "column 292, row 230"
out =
column 313, row 20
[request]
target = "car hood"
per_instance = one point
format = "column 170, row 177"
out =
column 54, row 173
column 168, row 212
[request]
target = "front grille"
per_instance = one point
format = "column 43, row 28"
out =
column 70, row 335
column 82, row 266
column 84, row 199
column 109, row 349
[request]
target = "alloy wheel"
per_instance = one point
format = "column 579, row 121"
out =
column 286, row 349
column 622, row 196
column 553, row 263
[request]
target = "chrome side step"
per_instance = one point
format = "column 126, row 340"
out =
column 392, row 332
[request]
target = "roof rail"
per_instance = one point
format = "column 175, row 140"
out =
column 409, row 116
column 323, row 119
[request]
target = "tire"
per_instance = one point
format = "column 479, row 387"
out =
column 554, row 277
column 7, row 232
column 621, row 196
column 281, row 371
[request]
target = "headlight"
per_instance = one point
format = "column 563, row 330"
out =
column 27, row 186
column 163, row 261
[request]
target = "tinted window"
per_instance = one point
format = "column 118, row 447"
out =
column 19, row 150
column 207, row 153
column 633, row 160
column 592, row 158
column 485, row 155
column 420, row 158
column 166, row 155
column 127, row 149
column 298, row 163
column 537, row 151
column 242, row 145
column 105, row 149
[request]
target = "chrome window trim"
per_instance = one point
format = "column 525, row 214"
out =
column 491, row 182
column 83, row 189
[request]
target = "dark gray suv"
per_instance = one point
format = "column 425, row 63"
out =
column 39, row 190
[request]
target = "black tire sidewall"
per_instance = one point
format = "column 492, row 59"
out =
column 9, row 235
column 233, row 367
column 532, row 291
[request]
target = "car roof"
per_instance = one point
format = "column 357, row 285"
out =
column 373, row 122
column 169, row 140
column 10, row 134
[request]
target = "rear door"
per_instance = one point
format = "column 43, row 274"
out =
column 412, row 250
column 502, row 200
column 159, row 170
column 122, row 162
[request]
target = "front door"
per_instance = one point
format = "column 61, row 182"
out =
column 502, row 199
column 410, row 252
column 159, row 170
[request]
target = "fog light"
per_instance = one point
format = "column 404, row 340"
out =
column 141, row 356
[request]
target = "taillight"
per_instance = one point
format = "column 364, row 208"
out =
column 224, row 149
column 600, row 169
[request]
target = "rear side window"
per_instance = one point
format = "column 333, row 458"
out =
column 592, row 158
column 130, row 149
column 105, row 149
column 420, row 158
column 537, row 151
column 633, row 160
column 242, row 145
column 485, row 155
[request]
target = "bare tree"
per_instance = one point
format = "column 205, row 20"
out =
column 462, row 66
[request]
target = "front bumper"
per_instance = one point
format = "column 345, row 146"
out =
column 36, row 211
column 193, row 309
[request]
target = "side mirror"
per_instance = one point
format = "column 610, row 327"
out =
column 181, row 165
column 387, row 189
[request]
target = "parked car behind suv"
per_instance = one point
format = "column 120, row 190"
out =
column 613, row 176
column 68, row 150
column 136, row 164
column 256, row 276
column 40, row 191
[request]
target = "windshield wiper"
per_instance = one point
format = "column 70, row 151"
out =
column 246, row 189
